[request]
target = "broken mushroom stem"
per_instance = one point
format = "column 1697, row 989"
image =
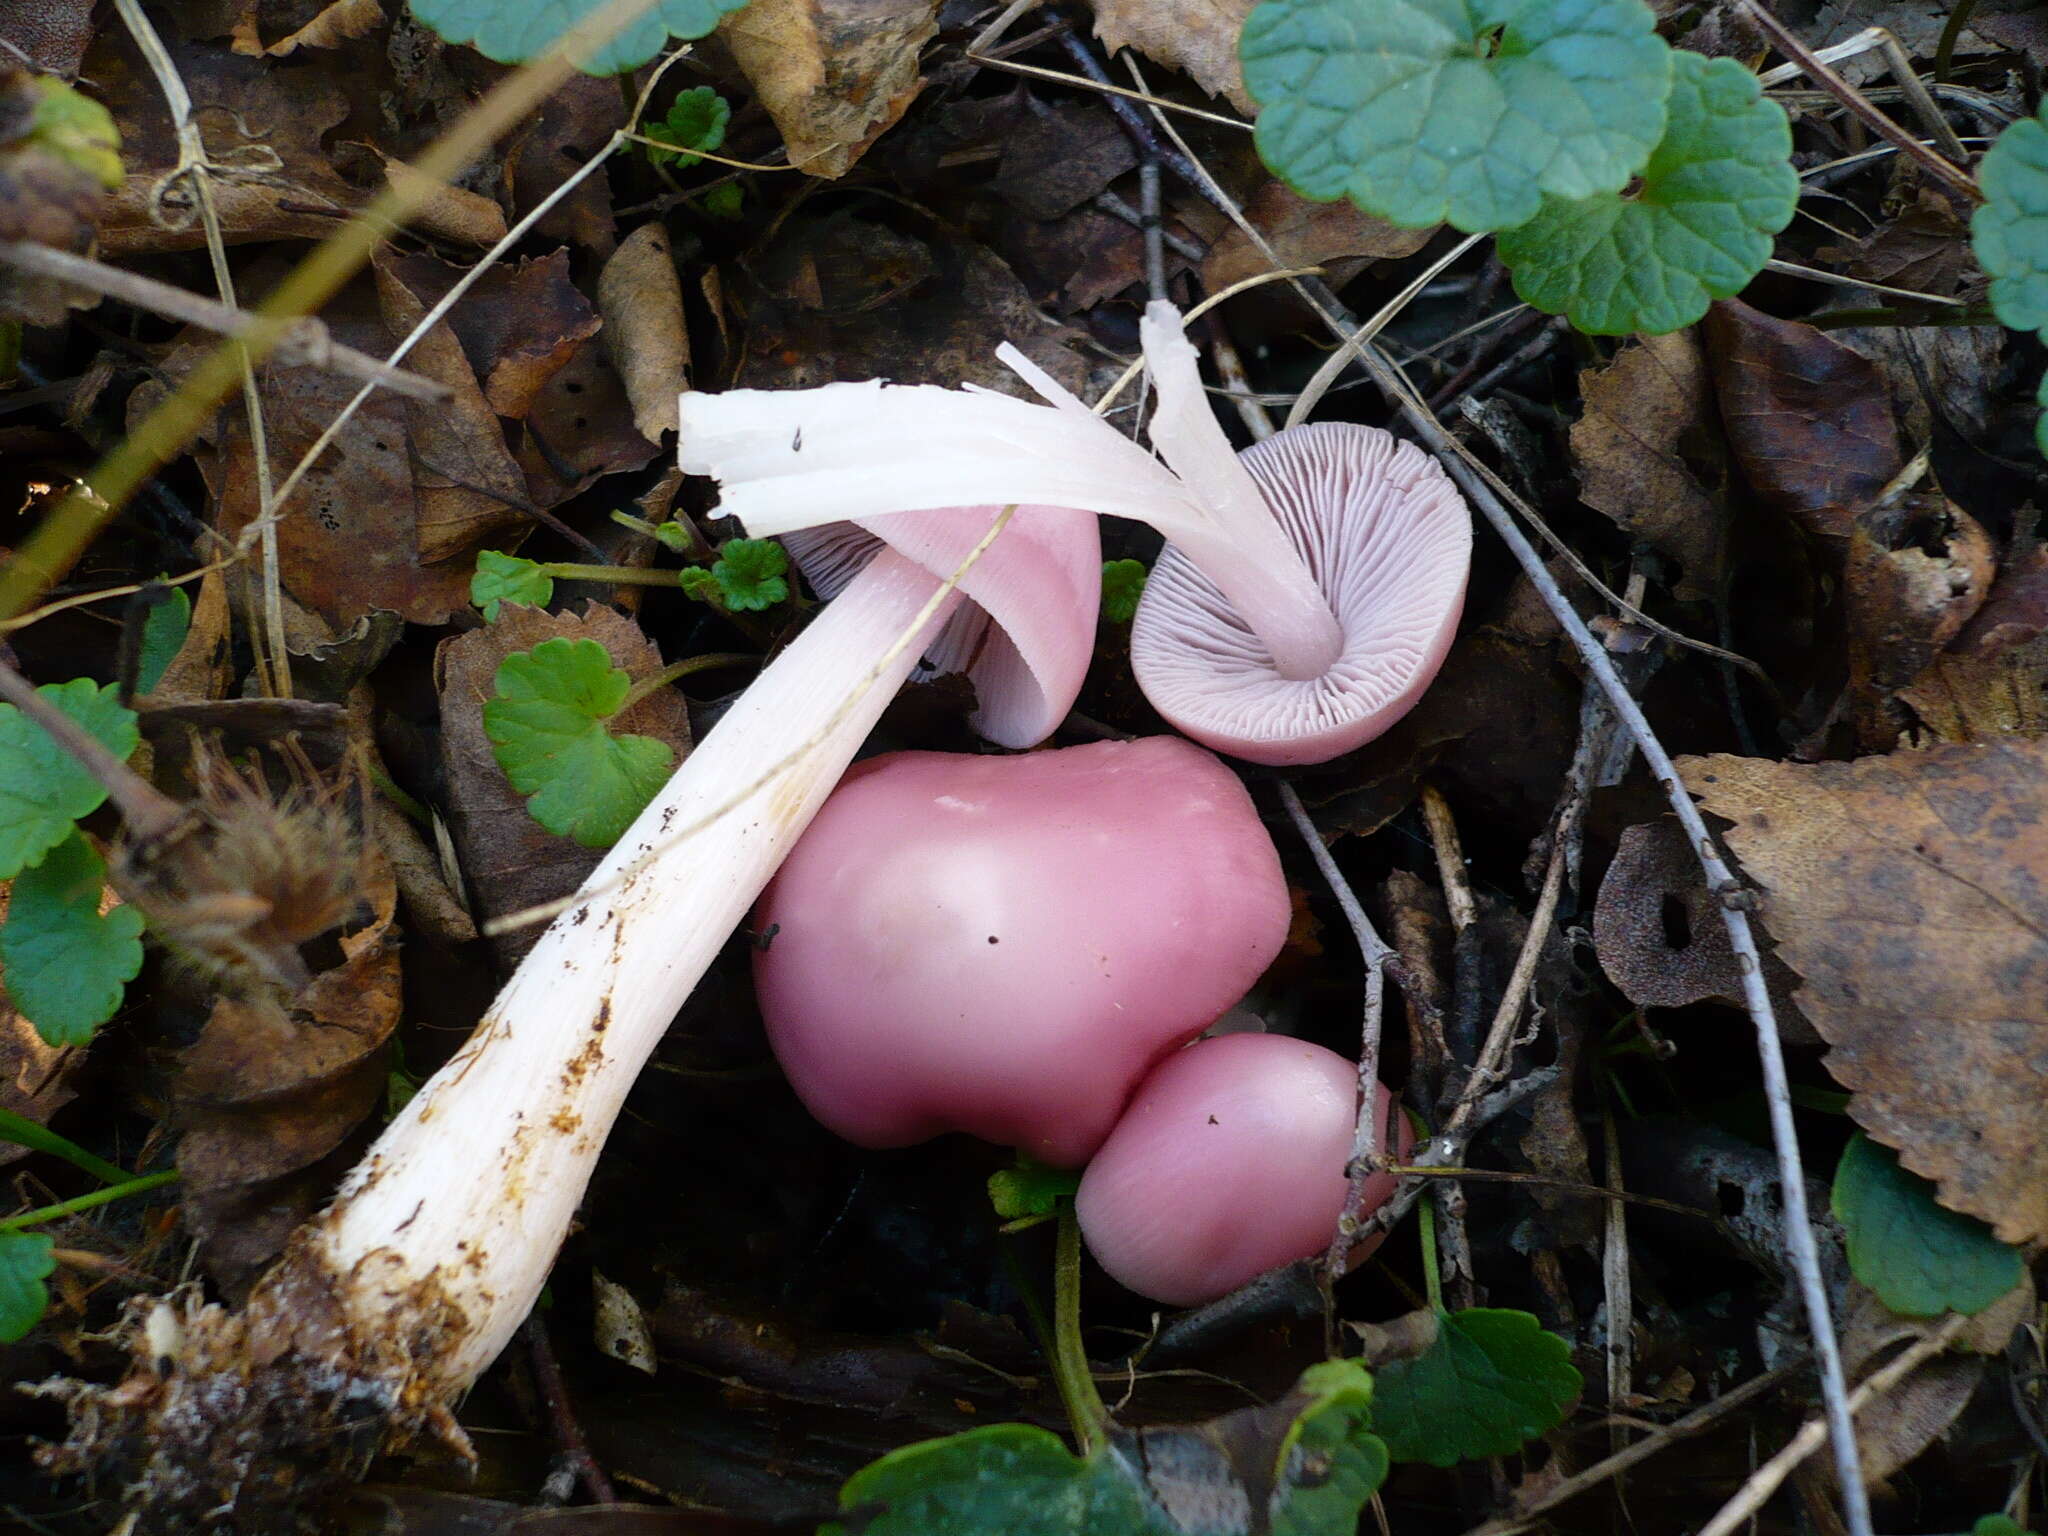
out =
column 525, row 1106
column 394, row 1299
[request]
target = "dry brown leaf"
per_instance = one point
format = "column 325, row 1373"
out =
column 1197, row 37
column 1910, row 891
column 333, row 26
column 270, row 1097
column 1649, row 455
column 833, row 74
column 464, row 476
column 1969, row 695
column 1335, row 236
column 453, row 213
column 266, row 127
column 575, row 123
column 51, row 34
column 1895, row 1428
column 1809, row 420
column 1916, row 570
column 519, row 324
column 388, row 516
column 641, row 300
column 508, row 859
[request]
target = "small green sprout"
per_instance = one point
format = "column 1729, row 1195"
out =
column 1123, row 582
column 502, row 578
column 748, row 576
column 695, row 126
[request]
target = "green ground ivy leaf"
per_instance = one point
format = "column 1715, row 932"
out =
column 1492, row 1380
column 513, row 31
column 25, row 1260
column 1311, row 1455
column 65, row 964
column 751, row 574
column 1467, row 110
column 696, row 122
column 1921, row 1258
column 42, row 790
column 548, row 730
column 2010, row 231
column 503, row 578
column 1699, row 228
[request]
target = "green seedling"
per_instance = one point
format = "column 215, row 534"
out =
column 549, row 723
column 695, row 125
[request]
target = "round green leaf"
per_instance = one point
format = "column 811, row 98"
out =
column 1123, row 583
column 42, row 788
column 1921, row 1258
column 1699, row 228
column 1492, row 1380
column 1466, row 110
column 2041, row 421
column 2010, row 231
column 26, row 1258
column 513, row 31
column 548, row 731
column 64, row 963
column 503, row 578
column 1004, row 1478
column 696, row 122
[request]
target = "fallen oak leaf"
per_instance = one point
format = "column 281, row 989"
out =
column 1910, row 891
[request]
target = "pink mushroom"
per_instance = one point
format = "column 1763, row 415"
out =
column 1004, row 945
column 1310, row 589
column 1228, row 1162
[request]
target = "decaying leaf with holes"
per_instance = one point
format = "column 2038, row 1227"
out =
column 1910, row 892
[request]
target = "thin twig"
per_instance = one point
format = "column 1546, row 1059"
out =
column 1814, row 1432
column 1702, row 1418
column 1365, row 1144
column 561, row 1415
column 305, row 344
column 1946, row 171
column 273, row 656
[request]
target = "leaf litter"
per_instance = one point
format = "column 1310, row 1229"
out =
column 1818, row 480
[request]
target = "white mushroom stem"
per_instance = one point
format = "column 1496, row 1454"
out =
column 793, row 459
column 463, row 1201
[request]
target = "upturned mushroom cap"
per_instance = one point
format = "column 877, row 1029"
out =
column 1003, row 945
column 1388, row 541
column 1026, row 632
column 1023, row 638
column 1228, row 1162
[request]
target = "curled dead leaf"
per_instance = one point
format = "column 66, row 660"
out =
column 641, row 300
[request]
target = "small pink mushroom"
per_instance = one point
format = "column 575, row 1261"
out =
column 1228, row 1162
column 1004, row 945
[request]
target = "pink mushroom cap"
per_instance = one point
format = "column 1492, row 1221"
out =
column 1388, row 541
column 1228, row 1162
column 1004, row 945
